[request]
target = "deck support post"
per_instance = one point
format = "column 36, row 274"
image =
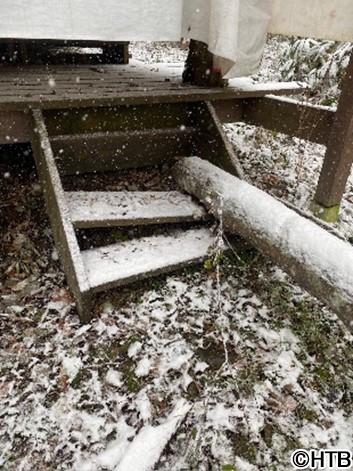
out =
column 200, row 66
column 339, row 156
column 116, row 53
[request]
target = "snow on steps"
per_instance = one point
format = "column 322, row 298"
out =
column 125, row 262
column 118, row 208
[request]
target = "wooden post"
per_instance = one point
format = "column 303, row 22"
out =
column 11, row 51
column 200, row 68
column 116, row 53
column 320, row 262
column 339, row 155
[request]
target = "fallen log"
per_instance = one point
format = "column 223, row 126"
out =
column 317, row 260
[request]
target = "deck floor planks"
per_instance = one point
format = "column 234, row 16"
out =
column 82, row 85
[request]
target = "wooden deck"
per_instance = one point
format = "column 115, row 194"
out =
column 44, row 87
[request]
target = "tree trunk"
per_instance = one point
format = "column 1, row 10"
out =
column 317, row 260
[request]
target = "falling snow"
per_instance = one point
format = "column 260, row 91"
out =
column 205, row 369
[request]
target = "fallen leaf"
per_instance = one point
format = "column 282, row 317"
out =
column 20, row 286
column 62, row 295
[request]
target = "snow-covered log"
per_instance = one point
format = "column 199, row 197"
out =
column 317, row 260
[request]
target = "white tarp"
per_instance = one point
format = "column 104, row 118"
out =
column 103, row 20
column 235, row 30
column 321, row 19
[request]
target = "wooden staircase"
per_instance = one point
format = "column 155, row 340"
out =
column 92, row 140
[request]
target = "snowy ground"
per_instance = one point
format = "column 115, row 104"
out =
column 221, row 373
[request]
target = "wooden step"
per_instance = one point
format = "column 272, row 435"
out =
column 118, row 208
column 129, row 261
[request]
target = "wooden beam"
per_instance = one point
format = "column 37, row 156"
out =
column 290, row 117
column 38, row 51
column 275, row 113
column 339, row 156
column 63, row 231
column 212, row 142
column 117, row 118
column 103, row 151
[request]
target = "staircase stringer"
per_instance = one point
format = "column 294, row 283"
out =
column 212, row 143
column 63, row 231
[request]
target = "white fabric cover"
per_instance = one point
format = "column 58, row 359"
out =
column 235, row 30
column 103, row 20
column 321, row 19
